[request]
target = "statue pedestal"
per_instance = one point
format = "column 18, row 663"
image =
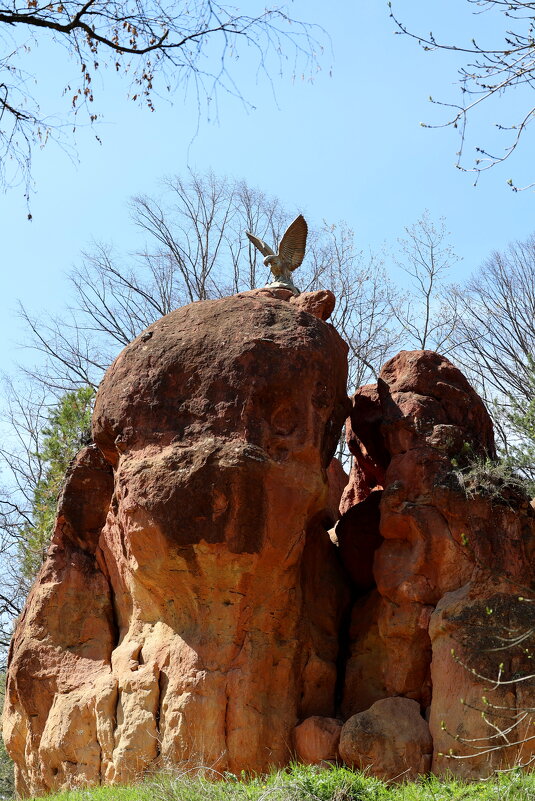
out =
column 281, row 283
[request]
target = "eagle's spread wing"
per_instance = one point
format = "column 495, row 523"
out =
column 264, row 249
column 292, row 245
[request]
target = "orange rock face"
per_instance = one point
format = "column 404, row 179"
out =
column 450, row 564
column 482, row 640
column 196, row 605
column 366, row 443
column 62, row 646
column 172, row 621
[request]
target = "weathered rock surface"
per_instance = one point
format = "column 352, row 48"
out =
column 321, row 304
column 357, row 532
column 337, row 479
column 364, row 675
column 482, row 645
column 448, row 553
column 390, row 740
column 316, row 740
column 171, row 620
column 64, row 640
column 193, row 607
column 365, row 441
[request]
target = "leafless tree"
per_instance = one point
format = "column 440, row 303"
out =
column 424, row 317
column 196, row 249
column 156, row 46
column 194, row 241
column 495, row 338
column 365, row 298
column 492, row 71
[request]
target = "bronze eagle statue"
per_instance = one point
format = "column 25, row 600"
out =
column 290, row 254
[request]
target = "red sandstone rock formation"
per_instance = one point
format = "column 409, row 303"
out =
column 193, row 608
column 190, row 603
column 446, row 557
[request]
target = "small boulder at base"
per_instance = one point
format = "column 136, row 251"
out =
column 390, row 740
column 317, row 738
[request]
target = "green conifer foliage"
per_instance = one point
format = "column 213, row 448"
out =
column 67, row 430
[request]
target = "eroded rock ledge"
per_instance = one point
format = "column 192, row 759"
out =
column 193, row 607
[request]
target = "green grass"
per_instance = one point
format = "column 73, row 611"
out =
column 302, row 783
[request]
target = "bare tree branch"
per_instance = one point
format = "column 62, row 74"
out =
column 424, row 316
column 158, row 46
column 492, row 72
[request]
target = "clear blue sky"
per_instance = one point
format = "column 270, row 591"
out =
column 347, row 147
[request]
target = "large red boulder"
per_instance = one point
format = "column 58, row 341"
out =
column 171, row 622
column 456, row 542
